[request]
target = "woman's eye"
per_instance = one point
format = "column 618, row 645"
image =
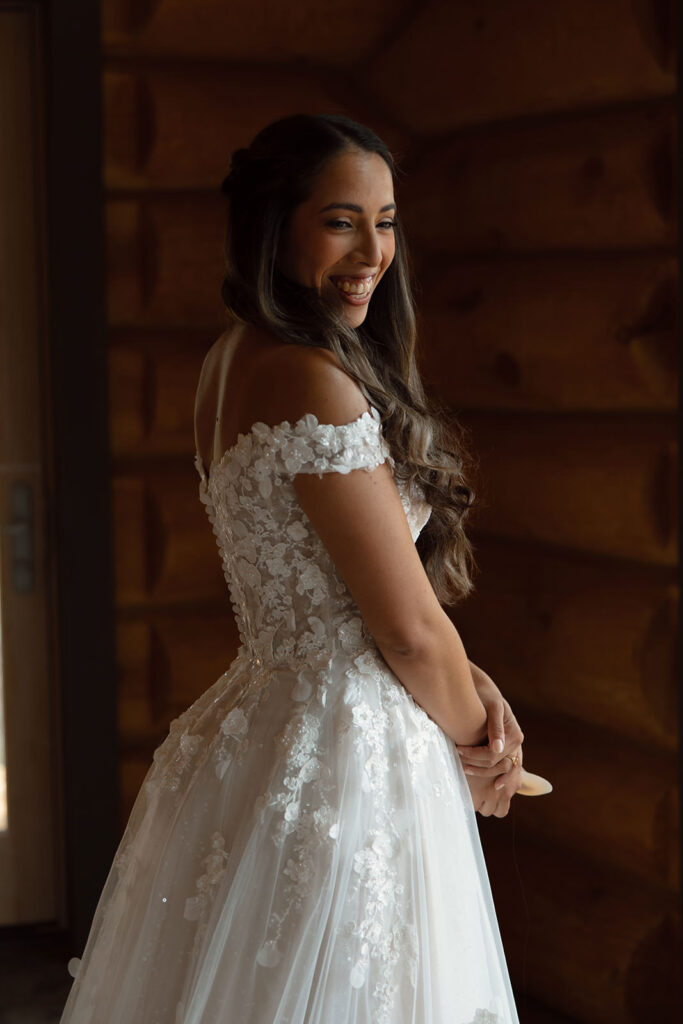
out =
column 340, row 225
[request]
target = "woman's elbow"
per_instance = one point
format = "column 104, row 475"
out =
column 411, row 640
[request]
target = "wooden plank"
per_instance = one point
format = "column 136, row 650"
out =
column 198, row 648
column 130, row 540
column 138, row 713
column 488, row 61
column 152, row 378
column 342, row 30
column 564, row 634
column 165, row 261
column 600, row 483
column 165, row 550
column 569, row 333
column 590, row 182
column 123, row 227
column 128, row 420
column 166, row 661
column 614, row 801
column 599, row 946
column 165, row 128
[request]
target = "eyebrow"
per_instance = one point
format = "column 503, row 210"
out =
column 354, row 207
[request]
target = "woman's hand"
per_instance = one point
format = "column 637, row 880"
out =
column 488, row 800
column 502, row 755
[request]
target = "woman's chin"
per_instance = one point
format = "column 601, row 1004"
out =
column 355, row 315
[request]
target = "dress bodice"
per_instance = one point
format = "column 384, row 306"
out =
column 290, row 603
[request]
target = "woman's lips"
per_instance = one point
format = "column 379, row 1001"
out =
column 355, row 290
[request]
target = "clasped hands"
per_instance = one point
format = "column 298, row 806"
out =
column 493, row 771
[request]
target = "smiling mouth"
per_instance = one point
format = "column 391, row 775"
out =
column 354, row 289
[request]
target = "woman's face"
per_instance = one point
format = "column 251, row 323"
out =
column 340, row 241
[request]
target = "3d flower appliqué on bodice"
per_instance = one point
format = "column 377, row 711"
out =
column 290, row 603
column 303, row 849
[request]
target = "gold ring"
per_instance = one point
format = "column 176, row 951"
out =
column 514, row 760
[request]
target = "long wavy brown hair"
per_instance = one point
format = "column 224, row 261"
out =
column 266, row 182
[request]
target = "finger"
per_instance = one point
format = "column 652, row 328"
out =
column 510, row 781
column 502, row 767
column 503, row 798
column 514, row 737
column 496, row 727
column 483, row 773
column 481, row 756
column 503, row 806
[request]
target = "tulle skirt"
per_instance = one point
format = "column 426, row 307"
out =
column 303, row 850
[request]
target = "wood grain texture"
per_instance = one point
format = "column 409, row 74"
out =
column 168, row 659
column 614, row 801
column 594, row 181
column 165, row 261
column 164, row 547
column 240, row 30
column 601, row 483
column 567, row 333
column 600, row 944
column 526, row 58
column 151, row 400
column 564, row 634
column 167, row 129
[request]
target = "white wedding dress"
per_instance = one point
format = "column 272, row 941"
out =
column 304, row 848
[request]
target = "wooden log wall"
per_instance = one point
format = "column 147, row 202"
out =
column 540, row 200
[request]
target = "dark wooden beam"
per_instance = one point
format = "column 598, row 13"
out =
column 77, row 361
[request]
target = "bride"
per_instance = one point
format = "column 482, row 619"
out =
column 304, row 848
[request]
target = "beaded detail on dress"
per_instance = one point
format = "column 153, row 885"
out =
column 304, row 845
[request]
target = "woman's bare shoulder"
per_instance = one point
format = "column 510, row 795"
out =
column 231, row 360
column 293, row 380
column 250, row 375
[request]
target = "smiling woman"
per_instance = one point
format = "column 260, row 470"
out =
column 312, row 213
column 344, row 257
column 304, row 846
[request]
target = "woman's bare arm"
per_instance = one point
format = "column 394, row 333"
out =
column 361, row 521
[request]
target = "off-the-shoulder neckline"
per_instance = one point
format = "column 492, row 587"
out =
column 216, row 462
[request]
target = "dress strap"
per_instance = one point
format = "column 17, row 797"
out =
column 201, row 469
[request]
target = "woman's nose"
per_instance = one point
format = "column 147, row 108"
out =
column 369, row 248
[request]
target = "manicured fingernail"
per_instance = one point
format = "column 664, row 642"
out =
column 499, row 785
column 498, row 746
column 468, row 771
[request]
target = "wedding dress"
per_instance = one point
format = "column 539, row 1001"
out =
column 304, row 848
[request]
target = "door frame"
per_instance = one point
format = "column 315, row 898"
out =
column 76, row 381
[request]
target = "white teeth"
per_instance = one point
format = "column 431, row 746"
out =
column 359, row 288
